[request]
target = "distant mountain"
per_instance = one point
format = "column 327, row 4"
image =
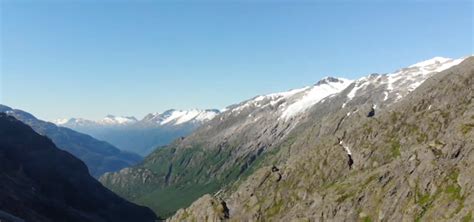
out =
column 155, row 129
column 39, row 182
column 109, row 120
column 263, row 131
column 99, row 156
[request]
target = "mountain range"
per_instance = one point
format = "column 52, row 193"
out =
column 275, row 156
column 40, row 182
column 406, row 160
column 142, row 136
column 99, row 156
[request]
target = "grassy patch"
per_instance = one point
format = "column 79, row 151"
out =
column 466, row 128
column 367, row 219
column 395, row 148
column 467, row 218
column 367, row 128
column 275, row 209
column 454, row 190
column 345, row 196
column 424, row 201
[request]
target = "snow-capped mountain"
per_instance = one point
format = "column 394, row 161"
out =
column 290, row 103
column 109, row 120
column 118, row 120
column 395, row 85
column 99, row 156
column 178, row 117
column 284, row 110
column 392, row 87
column 142, row 136
column 278, row 129
column 169, row 117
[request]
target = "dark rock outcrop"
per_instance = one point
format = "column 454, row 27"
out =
column 39, row 182
column 99, row 156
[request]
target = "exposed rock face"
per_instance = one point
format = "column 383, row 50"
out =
column 299, row 129
column 219, row 152
column 206, row 208
column 413, row 161
column 99, row 156
column 39, row 182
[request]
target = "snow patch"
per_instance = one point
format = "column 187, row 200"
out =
column 385, row 95
column 313, row 95
column 178, row 117
column 348, row 151
column 117, row 120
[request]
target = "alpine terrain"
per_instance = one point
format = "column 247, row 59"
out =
column 394, row 146
column 99, row 156
column 142, row 136
column 40, row 182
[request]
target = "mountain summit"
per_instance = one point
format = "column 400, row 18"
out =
column 411, row 159
column 145, row 135
column 270, row 130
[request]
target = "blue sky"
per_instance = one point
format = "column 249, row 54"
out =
column 92, row 58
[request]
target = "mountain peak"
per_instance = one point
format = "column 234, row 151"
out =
column 120, row 120
column 432, row 61
column 329, row 79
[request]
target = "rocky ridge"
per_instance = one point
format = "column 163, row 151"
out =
column 40, row 182
column 99, row 156
column 257, row 132
column 412, row 160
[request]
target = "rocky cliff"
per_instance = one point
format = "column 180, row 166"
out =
column 411, row 161
column 275, row 129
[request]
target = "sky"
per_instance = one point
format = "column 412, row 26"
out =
column 92, row 58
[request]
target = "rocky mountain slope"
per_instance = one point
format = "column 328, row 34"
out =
column 39, row 182
column 412, row 161
column 99, row 156
column 261, row 131
column 142, row 136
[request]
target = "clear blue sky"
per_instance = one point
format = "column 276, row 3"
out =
column 91, row 58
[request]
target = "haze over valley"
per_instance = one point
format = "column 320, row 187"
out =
column 141, row 111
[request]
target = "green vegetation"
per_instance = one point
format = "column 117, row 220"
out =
column 424, row 201
column 166, row 201
column 466, row 128
column 184, row 175
column 395, row 148
column 367, row 128
column 467, row 218
column 367, row 219
column 454, row 190
column 275, row 209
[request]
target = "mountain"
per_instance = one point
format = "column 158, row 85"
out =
column 218, row 152
column 99, row 156
column 142, row 136
column 262, row 131
column 109, row 120
column 411, row 161
column 39, row 182
column 180, row 117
